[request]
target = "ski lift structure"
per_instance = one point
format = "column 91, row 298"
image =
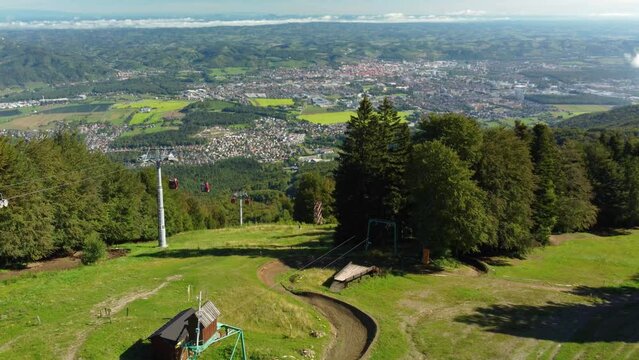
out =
column 244, row 199
column 162, row 155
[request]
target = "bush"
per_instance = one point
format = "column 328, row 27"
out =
column 93, row 250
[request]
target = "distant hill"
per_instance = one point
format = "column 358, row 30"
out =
column 21, row 64
column 626, row 117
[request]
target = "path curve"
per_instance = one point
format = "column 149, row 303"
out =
column 353, row 330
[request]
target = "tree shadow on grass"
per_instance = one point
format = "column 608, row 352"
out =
column 611, row 316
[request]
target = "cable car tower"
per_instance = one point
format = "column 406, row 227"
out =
column 243, row 198
column 161, row 156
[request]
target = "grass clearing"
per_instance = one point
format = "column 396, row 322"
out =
column 577, row 299
column 157, row 110
column 568, row 111
column 222, row 264
column 272, row 102
column 330, row 118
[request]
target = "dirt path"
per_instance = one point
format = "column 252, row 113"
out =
column 353, row 330
column 63, row 263
column 114, row 305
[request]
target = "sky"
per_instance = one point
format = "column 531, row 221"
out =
column 581, row 8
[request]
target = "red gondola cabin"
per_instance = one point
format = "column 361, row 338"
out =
column 206, row 187
column 174, row 184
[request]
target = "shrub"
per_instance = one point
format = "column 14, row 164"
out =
column 93, row 250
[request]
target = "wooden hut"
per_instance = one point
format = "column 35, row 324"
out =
column 169, row 340
column 207, row 316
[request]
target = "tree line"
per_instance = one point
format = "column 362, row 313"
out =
column 462, row 190
column 60, row 194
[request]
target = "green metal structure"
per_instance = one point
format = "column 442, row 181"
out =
column 386, row 222
column 224, row 332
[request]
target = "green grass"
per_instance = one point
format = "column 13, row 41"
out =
column 222, row 264
column 272, row 102
column 330, row 118
column 549, row 306
column 568, row 111
column 553, row 305
column 227, row 71
column 159, row 108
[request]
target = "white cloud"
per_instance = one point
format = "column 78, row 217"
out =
column 633, row 60
column 202, row 23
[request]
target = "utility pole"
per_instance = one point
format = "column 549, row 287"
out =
column 161, row 227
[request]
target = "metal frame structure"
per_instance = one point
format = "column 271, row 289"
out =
column 195, row 350
column 381, row 221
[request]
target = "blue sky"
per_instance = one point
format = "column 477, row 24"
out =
column 331, row 7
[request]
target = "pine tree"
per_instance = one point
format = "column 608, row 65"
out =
column 575, row 211
column 609, row 182
column 369, row 177
column 352, row 175
column 545, row 156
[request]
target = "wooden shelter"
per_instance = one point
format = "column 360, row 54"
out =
column 169, row 341
column 349, row 273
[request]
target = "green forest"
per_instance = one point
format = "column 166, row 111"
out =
column 461, row 190
column 450, row 185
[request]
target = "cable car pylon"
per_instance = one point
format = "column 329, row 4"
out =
column 160, row 157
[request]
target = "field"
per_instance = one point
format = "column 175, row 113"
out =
column 576, row 299
column 329, row 118
column 568, row 111
column 26, row 118
column 159, row 108
column 222, row 73
column 272, row 102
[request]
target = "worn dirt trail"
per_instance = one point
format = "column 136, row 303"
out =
column 115, row 306
column 353, row 331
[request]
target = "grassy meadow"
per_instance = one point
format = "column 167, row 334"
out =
column 272, row 102
column 575, row 299
column 159, row 109
column 330, row 118
column 222, row 264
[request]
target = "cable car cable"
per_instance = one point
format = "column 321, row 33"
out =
column 51, row 176
column 265, row 290
column 65, row 184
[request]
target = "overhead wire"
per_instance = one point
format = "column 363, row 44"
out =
column 264, row 291
column 4, row 187
column 65, row 184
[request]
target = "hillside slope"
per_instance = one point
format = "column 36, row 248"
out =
column 626, row 117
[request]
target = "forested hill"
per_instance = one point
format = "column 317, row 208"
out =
column 55, row 56
column 626, row 117
column 22, row 63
